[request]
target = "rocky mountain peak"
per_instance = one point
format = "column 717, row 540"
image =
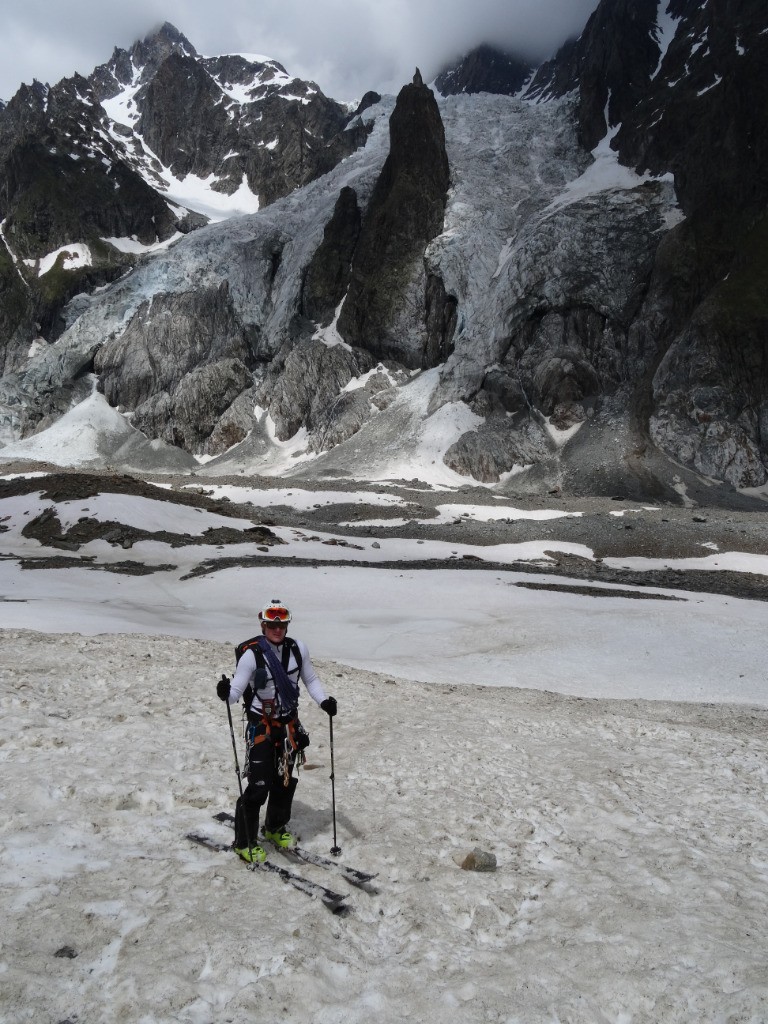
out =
column 405, row 213
column 28, row 98
column 370, row 99
column 97, row 171
column 485, row 69
column 141, row 62
column 158, row 45
column 259, row 74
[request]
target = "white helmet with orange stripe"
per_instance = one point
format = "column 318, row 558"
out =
column 275, row 613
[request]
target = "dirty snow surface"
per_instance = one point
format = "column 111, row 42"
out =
column 629, row 836
column 626, row 812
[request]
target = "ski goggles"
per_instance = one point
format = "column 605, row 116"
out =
column 276, row 616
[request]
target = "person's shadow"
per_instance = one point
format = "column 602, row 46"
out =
column 313, row 821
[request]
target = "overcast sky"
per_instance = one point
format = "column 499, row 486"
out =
column 346, row 46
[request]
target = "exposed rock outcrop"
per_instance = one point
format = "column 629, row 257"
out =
column 711, row 390
column 686, row 86
column 178, row 366
column 310, row 386
column 499, row 447
column 58, row 188
column 16, row 315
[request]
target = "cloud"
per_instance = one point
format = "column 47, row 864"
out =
column 347, row 48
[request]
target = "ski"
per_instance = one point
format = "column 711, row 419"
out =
column 333, row 900
column 352, row 875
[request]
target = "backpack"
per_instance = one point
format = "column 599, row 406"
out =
column 289, row 647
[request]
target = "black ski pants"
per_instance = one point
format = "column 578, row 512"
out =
column 270, row 760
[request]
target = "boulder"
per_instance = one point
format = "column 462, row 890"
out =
column 479, row 860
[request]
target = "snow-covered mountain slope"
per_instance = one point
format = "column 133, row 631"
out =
column 233, row 260
column 204, row 130
column 92, row 433
column 523, row 198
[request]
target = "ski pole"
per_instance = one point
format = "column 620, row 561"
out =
column 234, row 749
column 335, row 849
column 259, row 678
column 239, row 781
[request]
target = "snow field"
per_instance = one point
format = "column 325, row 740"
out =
column 480, row 628
column 432, row 625
column 631, row 881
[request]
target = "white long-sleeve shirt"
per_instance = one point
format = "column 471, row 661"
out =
column 246, row 669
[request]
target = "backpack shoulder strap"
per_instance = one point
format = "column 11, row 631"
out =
column 291, row 647
column 252, row 645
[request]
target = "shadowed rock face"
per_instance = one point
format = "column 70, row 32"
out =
column 693, row 109
column 405, row 213
column 53, row 190
column 608, row 66
column 619, row 57
column 701, row 117
column 176, row 121
column 710, row 392
column 327, row 277
column 16, row 316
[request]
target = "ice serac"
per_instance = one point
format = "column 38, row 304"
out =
column 385, row 306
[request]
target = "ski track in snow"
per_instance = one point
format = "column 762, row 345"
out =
column 630, row 838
